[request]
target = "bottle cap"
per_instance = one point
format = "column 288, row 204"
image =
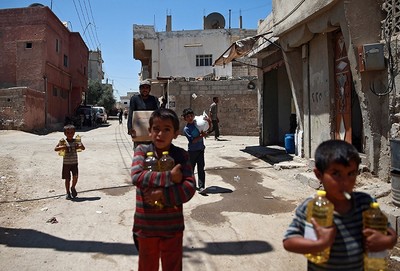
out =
column 374, row 205
column 165, row 152
column 321, row 193
column 150, row 153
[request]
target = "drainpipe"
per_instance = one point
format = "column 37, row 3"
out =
column 309, row 99
column 69, row 98
column 45, row 100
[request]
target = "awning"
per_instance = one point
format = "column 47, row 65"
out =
column 238, row 49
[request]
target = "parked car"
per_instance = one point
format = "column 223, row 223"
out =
column 86, row 114
column 100, row 114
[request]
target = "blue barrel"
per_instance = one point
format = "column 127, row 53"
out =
column 289, row 143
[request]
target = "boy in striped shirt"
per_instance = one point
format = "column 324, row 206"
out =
column 158, row 220
column 336, row 166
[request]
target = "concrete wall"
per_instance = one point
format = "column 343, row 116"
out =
column 21, row 109
column 321, row 90
column 238, row 111
column 291, row 14
column 303, row 28
column 173, row 53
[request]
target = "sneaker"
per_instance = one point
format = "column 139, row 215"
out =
column 202, row 191
column 73, row 192
column 68, row 196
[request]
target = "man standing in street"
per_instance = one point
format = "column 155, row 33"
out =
column 142, row 102
column 213, row 114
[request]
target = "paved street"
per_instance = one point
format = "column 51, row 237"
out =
column 238, row 225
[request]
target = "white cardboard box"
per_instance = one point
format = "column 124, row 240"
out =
column 140, row 123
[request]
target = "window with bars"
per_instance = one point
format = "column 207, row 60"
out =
column 203, row 60
column 391, row 25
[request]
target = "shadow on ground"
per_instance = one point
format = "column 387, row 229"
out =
column 270, row 154
column 28, row 238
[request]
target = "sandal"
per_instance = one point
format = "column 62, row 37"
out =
column 73, row 192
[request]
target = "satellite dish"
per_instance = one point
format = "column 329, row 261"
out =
column 35, row 5
column 214, row 21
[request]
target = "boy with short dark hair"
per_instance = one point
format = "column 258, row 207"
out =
column 196, row 147
column 70, row 160
column 158, row 228
column 336, row 166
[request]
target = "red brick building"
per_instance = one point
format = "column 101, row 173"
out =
column 38, row 51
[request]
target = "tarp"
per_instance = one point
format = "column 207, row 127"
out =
column 237, row 49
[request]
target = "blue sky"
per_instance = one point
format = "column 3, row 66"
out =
column 107, row 25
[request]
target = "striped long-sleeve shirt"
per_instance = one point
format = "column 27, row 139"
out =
column 347, row 249
column 151, row 220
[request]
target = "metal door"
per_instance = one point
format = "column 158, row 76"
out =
column 343, row 85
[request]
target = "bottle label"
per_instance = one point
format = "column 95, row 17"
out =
column 309, row 232
column 378, row 255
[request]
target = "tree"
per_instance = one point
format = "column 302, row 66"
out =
column 100, row 94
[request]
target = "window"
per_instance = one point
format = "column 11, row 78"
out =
column 203, row 60
column 57, row 45
column 28, row 45
column 65, row 60
column 55, row 91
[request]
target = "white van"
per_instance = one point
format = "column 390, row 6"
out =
column 100, row 114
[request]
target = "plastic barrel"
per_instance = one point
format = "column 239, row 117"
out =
column 395, row 187
column 395, row 153
column 289, row 143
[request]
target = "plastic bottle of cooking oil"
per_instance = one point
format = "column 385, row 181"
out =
column 321, row 209
column 166, row 162
column 373, row 218
column 151, row 162
column 62, row 142
column 78, row 142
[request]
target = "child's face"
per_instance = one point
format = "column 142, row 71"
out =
column 69, row 133
column 162, row 133
column 189, row 118
column 338, row 179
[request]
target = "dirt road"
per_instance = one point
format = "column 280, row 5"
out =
column 238, row 225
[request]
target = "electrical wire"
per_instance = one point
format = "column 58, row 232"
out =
column 392, row 62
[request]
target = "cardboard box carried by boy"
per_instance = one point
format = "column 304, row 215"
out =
column 140, row 123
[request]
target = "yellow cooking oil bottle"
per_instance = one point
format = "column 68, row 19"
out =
column 62, row 142
column 151, row 162
column 78, row 141
column 166, row 162
column 374, row 218
column 321, row 209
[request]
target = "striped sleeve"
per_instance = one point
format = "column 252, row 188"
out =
column 143, row 178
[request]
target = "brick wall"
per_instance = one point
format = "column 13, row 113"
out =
column 22, row 109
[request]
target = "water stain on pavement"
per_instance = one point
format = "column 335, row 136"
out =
column 248, row 195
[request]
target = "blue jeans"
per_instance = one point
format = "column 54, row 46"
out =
column 197, row 158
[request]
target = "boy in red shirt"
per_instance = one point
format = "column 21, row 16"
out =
column 158, row 221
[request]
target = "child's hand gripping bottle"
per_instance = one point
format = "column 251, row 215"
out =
column 62, row 142
column 321, row 209
column 78, row 143
column 373, row 218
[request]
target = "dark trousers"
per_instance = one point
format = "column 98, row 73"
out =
column 215, row 128
column 197, row 158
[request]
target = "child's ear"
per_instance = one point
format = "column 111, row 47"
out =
column 318, row 174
